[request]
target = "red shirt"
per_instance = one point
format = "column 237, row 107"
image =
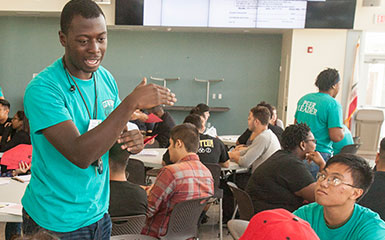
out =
column 185, row 180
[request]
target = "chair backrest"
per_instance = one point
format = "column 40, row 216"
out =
column 136, row 172
column 127, row 224
column 184, row 218
column 237, row 227
column 215, row 170
column 368, row 127
column 243, row 199
column 132, row 237
column 351, row 148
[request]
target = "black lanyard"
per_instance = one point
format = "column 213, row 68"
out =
column 95, row 114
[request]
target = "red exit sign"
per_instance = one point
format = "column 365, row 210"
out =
column 379, row 18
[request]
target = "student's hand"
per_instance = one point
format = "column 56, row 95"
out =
column 150, row 95
column 240, row 146
column 316, row 158
column 132, row 140
column 139, row 115
column 23, row 168
column 7, row 124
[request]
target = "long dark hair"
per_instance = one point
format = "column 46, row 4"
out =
column 22, row 117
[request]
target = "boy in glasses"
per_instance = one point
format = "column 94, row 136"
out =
column 335, row 214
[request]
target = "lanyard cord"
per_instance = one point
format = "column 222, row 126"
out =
column 95, row 114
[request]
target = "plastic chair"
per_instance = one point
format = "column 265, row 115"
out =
column 351, row 148
column 368, row 127
column 135, row 171
column 215, row 170
column 132, row 237
column 127, row 224
column 237, row 227
column 184, row 218
column 243, row 199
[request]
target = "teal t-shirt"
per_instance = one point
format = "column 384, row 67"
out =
column 320, row 112
column 62, row 197
column 1, row 93
column 364, row 224
column 347, row 140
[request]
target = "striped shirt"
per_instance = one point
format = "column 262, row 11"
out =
column 185, row 180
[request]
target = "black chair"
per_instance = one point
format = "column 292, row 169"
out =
column 132, row 237
column 351, row 148
column 127, row 224
column 184, row 218
column 244, row 204
column 135, row 171
column 215, row 170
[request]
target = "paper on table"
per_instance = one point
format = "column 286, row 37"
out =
column 147, row 152
column 131, row 126
column 11, row 208
column 4, row 181
column 25, row 178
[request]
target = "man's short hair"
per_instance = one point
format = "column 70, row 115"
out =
column 195, row 120
column 362, row 173
column 268, row 106
column 261, row 113
column 118, row 157
column 188, row 134
column 85, row 8
column 294, row 135
column 203, row 107
column 382, row 150
column 196, row 110
column 5, row 103
column 327, row 79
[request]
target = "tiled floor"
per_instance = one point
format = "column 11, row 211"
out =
column 210, row 230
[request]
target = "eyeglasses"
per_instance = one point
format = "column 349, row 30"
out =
column 311, row 140
column 332, row 180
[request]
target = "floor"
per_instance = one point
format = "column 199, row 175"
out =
column 210, row 230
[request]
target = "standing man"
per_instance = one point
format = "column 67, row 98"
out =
column 75, row 117
column 323, row 114
column 335, row 214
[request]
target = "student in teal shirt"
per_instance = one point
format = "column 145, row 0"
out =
column 323, row 114
column 1, row 94
column 75, row 117
column 335, row 214
column 347, row 140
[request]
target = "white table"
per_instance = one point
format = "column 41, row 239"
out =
column 155, row 161
column 12, row 193
column 229, row 140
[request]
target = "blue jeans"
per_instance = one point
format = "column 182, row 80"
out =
column 101, row 230
column 313, row 168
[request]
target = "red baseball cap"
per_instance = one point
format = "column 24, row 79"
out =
column 278, row 224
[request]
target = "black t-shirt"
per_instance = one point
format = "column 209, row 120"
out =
column 247, row 133
column 2, row 127
column 211, row 150
column 375, row 197
column 127, row 199
column 273, row 183
column 19, row 137
column 163, row 130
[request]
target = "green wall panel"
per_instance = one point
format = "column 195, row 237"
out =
column 249, row 63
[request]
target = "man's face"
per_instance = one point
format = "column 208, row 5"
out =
column 328, row 195
column 337, row 87
column 3, row 112
column 251, row 122
column 310, row 143
column 207, row 115
column 85, row 45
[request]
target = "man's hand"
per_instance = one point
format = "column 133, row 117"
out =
column 23, row 168
column 150, row 95
column 316, row 158
column 235, row 155
column 132, row 141
column 139, row 115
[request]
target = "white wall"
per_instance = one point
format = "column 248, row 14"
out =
column 364, row 18
column 328, row 51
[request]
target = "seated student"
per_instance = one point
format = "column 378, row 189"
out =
column 244, row 138
column 126, row 198
column 5, row 121
column 283, row 181
column 162, row 129
column 211, row 150
column 186, row 179
column 335, row 214
column 17, row 133
column 262, row 146
column 278, row 224
column 274, row 119
column 375, row 197
column 347, row 140
column 203, row 109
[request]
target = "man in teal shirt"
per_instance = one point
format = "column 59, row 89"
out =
column 347, row 140
column 335, row 214
column 323, row 114
column 75, row 117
